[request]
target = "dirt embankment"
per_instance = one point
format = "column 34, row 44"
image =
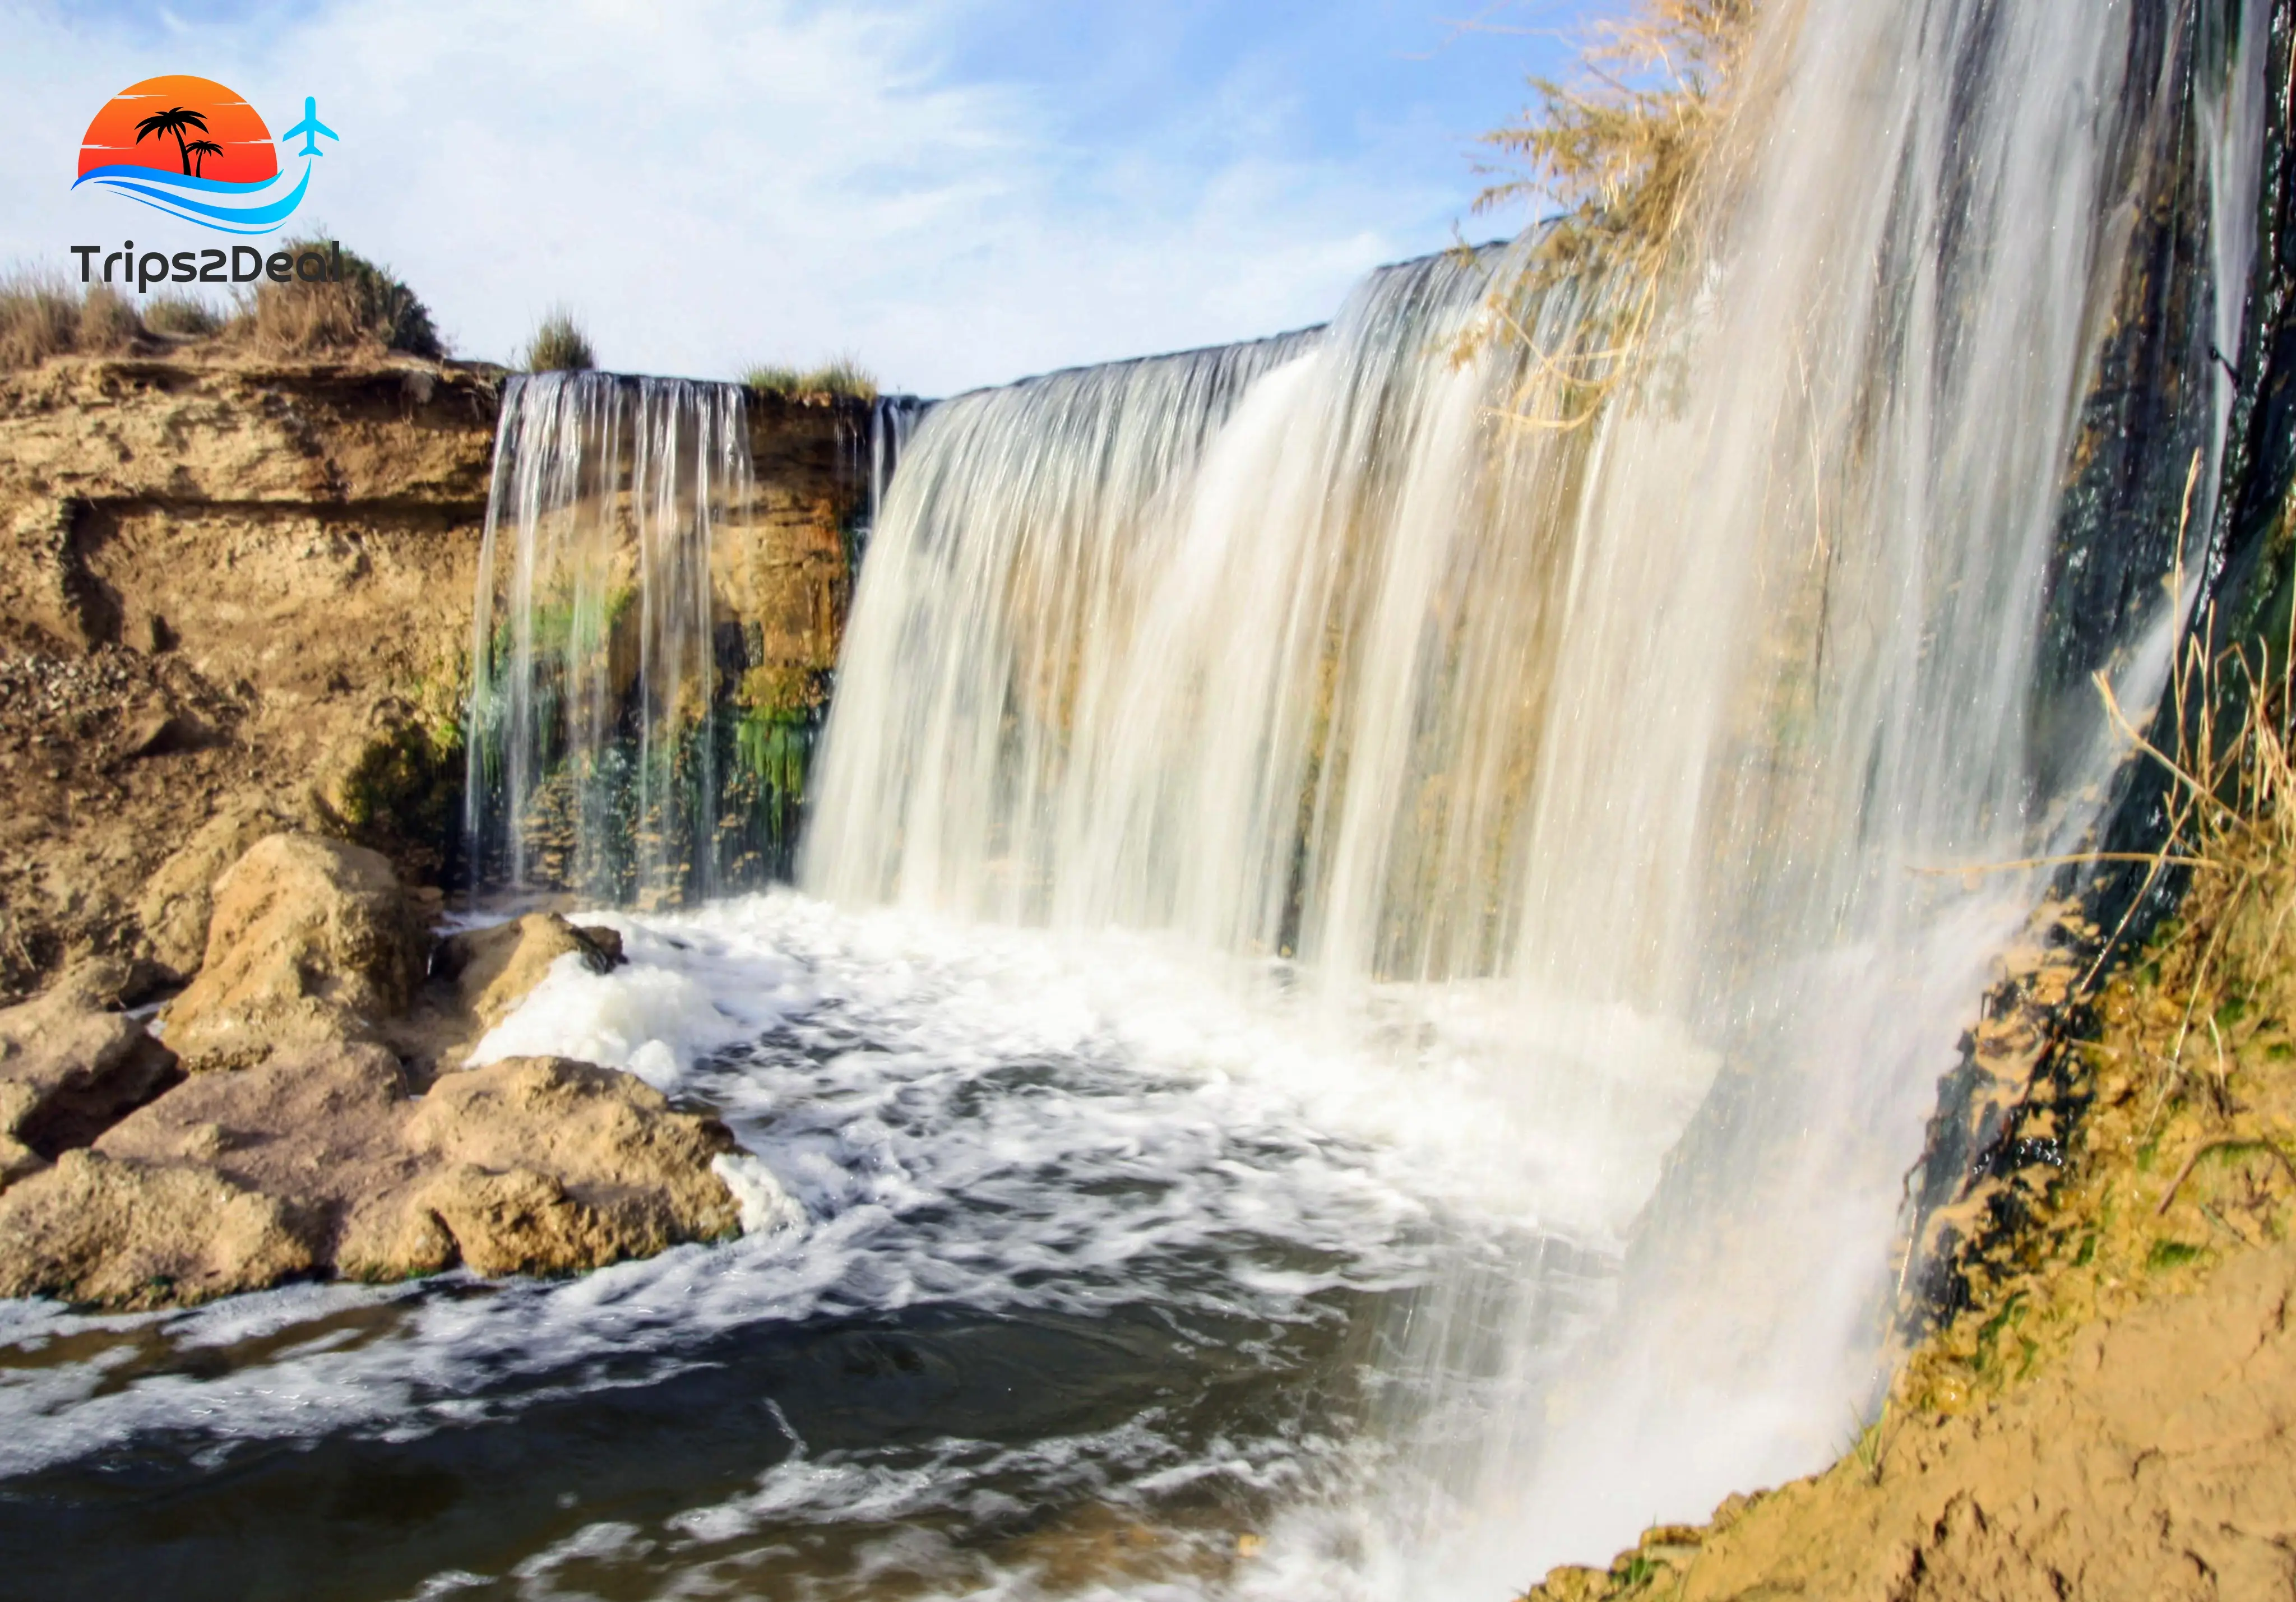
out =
column 235, row 595
column 2152, row 1458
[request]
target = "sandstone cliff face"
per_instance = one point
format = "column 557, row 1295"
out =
column 793, row 580
column 235, row 595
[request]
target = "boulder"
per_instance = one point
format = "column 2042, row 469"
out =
column 94, row 1230
column 178, row 898
column 322, row 1130
column 479, row 975
column 553, row 1166
column 493, row 969
column 297, row 1146
column 534, row 1166
column 70, row 1067
column 163, row 733
column 311, row 942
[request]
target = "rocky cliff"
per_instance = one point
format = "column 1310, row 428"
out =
column 236, row 594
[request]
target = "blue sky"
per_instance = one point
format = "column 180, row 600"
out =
column 958, row 192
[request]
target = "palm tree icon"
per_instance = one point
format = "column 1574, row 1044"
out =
column 174, row 120
column 200, row 150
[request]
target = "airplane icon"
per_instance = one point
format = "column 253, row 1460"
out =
column 309, row 130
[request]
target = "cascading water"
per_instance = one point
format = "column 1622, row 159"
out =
column 892, row 418
column 1630, row 752
column 615, row 749
column 1390, row 902
column 1036, row 583
column 594, row 748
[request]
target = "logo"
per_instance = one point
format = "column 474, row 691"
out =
column 192, row 148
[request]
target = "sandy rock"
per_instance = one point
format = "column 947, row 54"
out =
column 18, row 1105
column 1574, row 1583
column 394, row 1236
column 554, row 1166
column 69, row 1068
column 321, row 1130
column 311, row 942
column 161, row 733
column 538, row 1166
column 106, row 984
column 518, row 1221
column 492, row 970
column 478, row 976
column 131, row 1234
column 178, row 898
column 300, row 1148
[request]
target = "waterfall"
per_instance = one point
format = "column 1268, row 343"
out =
column 1006, row 569
column 593, row 753
column 648, row 661
column 1675, row 733
column 892, row 418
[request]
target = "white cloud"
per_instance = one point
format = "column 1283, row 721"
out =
column 714, row 183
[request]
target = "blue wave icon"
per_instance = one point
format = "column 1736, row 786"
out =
column 230, row 207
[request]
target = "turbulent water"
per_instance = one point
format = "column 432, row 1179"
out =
column 1370, row 966
column 1088, row 1250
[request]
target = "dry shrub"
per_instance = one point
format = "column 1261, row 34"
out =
column 38, row 319
column 843, row 377
column 1620, row 149
column 368, row 310
column 182, row 316
column 1622, row 152
column 2232, row 825
column 558, row 346
column 107, row 322
column 2230, row 806
column 43, row 315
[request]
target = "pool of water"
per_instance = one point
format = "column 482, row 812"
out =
column 1106, row 1269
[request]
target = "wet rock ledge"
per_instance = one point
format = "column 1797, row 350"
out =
column 302, row 1113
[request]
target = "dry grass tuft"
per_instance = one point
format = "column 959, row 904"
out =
column 107, row 322
column 182, row 316
column 843, row 378
column 1622, row 153
column 1619, row 150
column 43, row 315
column 369, row 310
column 559, row 345
column 38, row 319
